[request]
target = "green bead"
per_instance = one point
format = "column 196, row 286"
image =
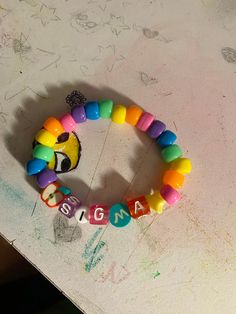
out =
column 105, row 108
column 43, row 152
column 171, row 153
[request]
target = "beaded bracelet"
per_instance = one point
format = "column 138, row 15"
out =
column 56, row 149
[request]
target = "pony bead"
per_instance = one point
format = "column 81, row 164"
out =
column 145, row 121
column 118, row 114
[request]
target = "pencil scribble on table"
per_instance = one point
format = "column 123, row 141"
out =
column 229, row 54
column 115, row 274
column 3, row 12
column 147, row 32
column 21, row 45
column 46, row 14
column 32, row 3
column 3, row 116
column 64, row 232
column 10, row 94
column 86, row 22
column 109, row 53
column 91, row 256
column 117, row 24
column 146, row 79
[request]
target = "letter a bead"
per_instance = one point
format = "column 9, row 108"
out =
column 138, row 207
column 99, row 215
column 119, row 215
column 69, row 206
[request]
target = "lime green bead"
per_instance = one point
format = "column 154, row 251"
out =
column 43, row 152
column 105, row 108
column 171, row 153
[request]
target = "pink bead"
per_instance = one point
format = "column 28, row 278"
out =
column 99, row 215
column 170, row 195
column 68, row 122
column 145, row 121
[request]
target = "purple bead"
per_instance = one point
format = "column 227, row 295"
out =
column 78, row 114
column 46, row 177
column 156, row 128
column 69, row 206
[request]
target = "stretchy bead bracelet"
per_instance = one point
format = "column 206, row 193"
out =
column 56, row 149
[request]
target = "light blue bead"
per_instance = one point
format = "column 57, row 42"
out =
column 167, row 138
column 92, row 110
column 119, row 215
column 34, row 166
column 65, row 190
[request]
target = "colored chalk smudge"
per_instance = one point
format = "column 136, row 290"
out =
column 90, row 254
column 14, row 194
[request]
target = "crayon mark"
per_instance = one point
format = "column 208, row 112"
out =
column 14, row 194
column 112, row 275
column 91, row 255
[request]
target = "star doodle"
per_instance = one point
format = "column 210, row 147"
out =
column 109, row 54
column 46, row 15
column 117, row 24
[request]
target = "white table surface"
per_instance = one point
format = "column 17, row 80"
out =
column 176, row 59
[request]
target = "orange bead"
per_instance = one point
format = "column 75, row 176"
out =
column 133, row 113
column 54, row 126
column 173, row 178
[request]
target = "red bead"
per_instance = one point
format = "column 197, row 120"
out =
column 99, row 214
column 138, row 207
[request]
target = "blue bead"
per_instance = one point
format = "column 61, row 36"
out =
column 34, row 166
column 167, row 138
column 119, row 215
column 92, row 110
column 65, row 190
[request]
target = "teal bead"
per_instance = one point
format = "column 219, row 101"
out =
column 119, row 215
column 43, row 152
column 34, row 166
column 65, row 190
column 171, row 153
column 105, row 108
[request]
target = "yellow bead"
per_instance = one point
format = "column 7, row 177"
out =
column 118, row 114
column 156, row 202
column 46, row 138
column 181, row 165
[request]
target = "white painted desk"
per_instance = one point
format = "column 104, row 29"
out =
column 176, row 59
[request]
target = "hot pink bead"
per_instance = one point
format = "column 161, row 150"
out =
column 68, row 122
column 170, row 195
column 145, row 121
